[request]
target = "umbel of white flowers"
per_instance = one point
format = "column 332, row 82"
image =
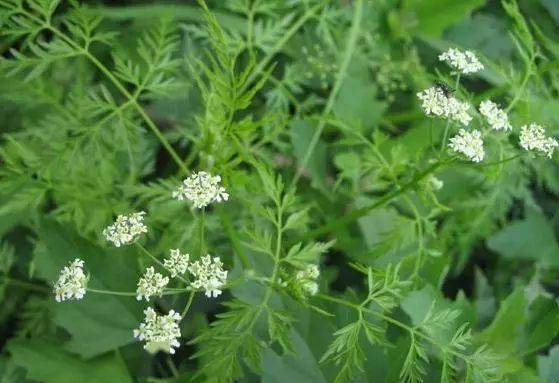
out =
column 177, row 263
column 436, row 103
column 532, row 137
column 71, row 282
column 125, row 229
column 464, row 62
column 201, row 189
column 209, row 275
column 151, row 284
column 469, row 144
column 160, row 332
column 307, row 278
column 496, row 117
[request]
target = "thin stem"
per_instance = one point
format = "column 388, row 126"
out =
column 110, row 292
column 153, row 258
column 447, row 127
column 133, row 294
column 350, row 47
column 116, row 83
column 172, row 366
column 358, row 213
column 411, row 330
column 150, row 255
column 201, row 228
column 281, row 42
column 188, row 304
column 25, row 284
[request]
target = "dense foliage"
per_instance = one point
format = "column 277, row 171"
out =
column 369, row 216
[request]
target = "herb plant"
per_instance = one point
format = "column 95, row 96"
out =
column 264, row 191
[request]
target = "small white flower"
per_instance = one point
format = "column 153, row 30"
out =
column 496, row 117
column 436, row 103
column 307, row 278
column 465, row 62
column 160, row 332
column 177, row 263
column 201, row 189
column 125, row 229
column 469, row 144
column 532, row 137
column 209, row 275
column 435, row 183
column 151, row 284
column 71, row 282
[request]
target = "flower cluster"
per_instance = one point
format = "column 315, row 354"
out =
column 201, row 189
column 464, row 62
column 125, row 229
column 469, row 144
column 71, row 282
column 436, row 102
column 151, row 284
column 308, row 278
column 532, row 137
column 161, row 332
column 209, row 275
column 177, row 263
column 496, row 117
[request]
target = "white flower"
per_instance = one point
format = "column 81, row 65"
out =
column 126, row 228
column 308, row 278
column 177, row 263
column 469, row 144
column 151, row 284
column 436, row 102
column 71, row 282
column 496, row 117
column 161, row 332
column 435, row 183
column 209, row 275
column 532, row 137
column 465, row 62
column 202, row 189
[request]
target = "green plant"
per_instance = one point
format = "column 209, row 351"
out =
column 303, row 190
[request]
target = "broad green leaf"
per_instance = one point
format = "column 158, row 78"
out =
column 97, row 323
column 432, row 17
column 548, row 366
column 301, row 133
column 47, row 362
column 532, row 238
column 542, row 324
column 505, row 331
column 301, row 367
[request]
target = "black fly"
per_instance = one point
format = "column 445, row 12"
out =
column 446, row 89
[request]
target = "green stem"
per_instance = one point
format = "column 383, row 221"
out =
column 133, row 294
column 157, row 261
column 114, row 80
column 350, row 47
column 358, row 213
column 25, row 284
column 109, row 292
column 281, row 42
column 201, row 228
column 188, row 304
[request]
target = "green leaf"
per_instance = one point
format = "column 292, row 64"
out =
column 300, row 367
column 532, row 238
column 301, row 133
column 504, row 333
column 432, row 17
column 548, row 366
column 97, row 323
column 47, row 362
